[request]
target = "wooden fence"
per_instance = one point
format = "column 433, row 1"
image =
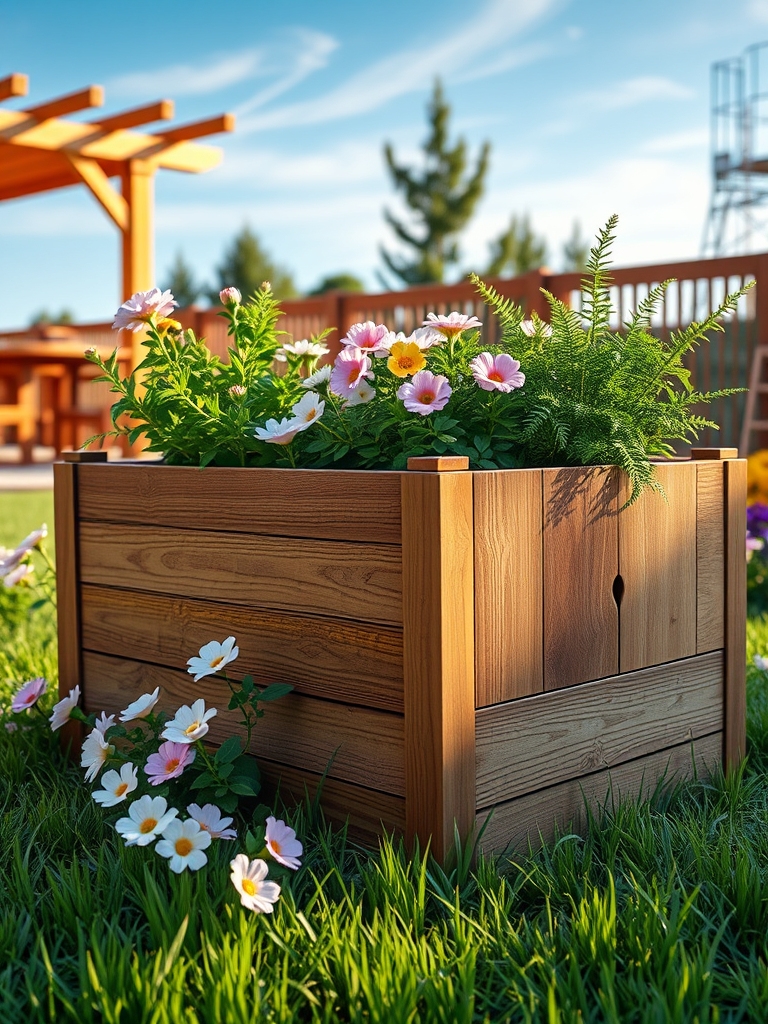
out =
column 699, row 287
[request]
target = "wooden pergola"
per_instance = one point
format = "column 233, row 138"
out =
column 40, row 150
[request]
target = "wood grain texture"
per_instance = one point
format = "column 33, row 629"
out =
column 535, row 817
column 355, row 581
column 82, row 457
column 330, row 658
column 508, row 585
column 67, row 585
column 581, row 620
column 716, row 454
column 537, row 742
column 322, row 504
column 657, row 563
column 438, row 463
column 438, row 657
column 367, row 812
column 360, row 745
column 710, row 556
column 735, row 740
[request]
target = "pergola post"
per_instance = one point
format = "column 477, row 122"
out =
column 137, row 237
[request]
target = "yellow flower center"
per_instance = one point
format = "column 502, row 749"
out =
column 405, row 357
column 183, row 846
column 427, row 397
column 147, row 825
column 354, row 373
column 249, row 887
column 172, row 765
column 310, row 415
column 121, row 789
column 217, row 661
column 495, row 375
column 276, row 848
column 191, row 728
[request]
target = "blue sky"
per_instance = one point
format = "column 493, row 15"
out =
column 591, row 107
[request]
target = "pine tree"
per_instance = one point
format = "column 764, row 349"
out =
column 181, row 281
column 338, row 283
column 517, row 250
column 441, row 196
column 575, row 251
column 246, row 265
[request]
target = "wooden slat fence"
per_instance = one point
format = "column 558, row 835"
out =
column 699, row 287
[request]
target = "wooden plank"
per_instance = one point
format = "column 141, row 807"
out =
column 735, row 740
column 508, row 585
column 710, row 556
column 438, row 657
column 537, row 742
column 581, row 620
column 534, row 817
column 360, row 745
column 657, row 563
column 367, row 812
column 355, row 581
column 324, row 504
column 716, row 454
column 328, row 658
column 438, row 463
column 67, row 583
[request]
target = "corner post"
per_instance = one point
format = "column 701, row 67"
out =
column 438, row 645
column 735, row 502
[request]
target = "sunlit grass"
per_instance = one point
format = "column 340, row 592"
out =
column 659, row 913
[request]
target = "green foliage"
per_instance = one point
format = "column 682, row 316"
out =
column 442, row 199
column 517, row 251
column 181, row 281
column 246, row 266
column 575, row 251
column 339, row 283
column 44, row 318
column 594, row 396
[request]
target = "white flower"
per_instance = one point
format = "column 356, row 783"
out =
column 282, row 843
column 104, row 722
column 136, row 312
column 116, row 785
column 761, row 662
column 309, row 408
column 147, row 817
column 212, row 657
column 279, row 433
column 18, row 574
column 95, row 752
column 423, row 337
column 301, row 350
column 183, row 842
column 141, row 707
column 363, row 393
column 321, row 376
column 248, row 877
column 209, row 818
column 190, row 723
column 63, row 710
column 32, row 540
column 529, row 327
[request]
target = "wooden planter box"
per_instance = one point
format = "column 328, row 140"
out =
column 458, row 641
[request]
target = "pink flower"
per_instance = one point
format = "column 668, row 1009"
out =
column 497, row 373
column 230, row 297
column 530, row 327
column 210, row 820
column 426, row 392
column 169, row 762
column 18, row 574
column 452, row 324
column 282, row 844
column 279, row 433
column 367, row 336
column 135, row 312
column 351, row 366
column 29, row 695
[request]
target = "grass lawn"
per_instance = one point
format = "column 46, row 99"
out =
column 659, row 914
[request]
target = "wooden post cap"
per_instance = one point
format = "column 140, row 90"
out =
column 438, row 463
column 84, row 456
column 718, row 454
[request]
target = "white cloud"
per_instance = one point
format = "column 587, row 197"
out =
column 758, row 10
column 410, row 69
column 292, row 58
column 632, row 92
column 676, row 142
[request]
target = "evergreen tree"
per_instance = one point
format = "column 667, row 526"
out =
column 181, row 281
column 441, row 196
column 517, row 250
column 45, row 319
column 338, row 283
column 246, row 265
column 575, row 251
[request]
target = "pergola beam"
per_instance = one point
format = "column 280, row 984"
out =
column 83, row 99
column 14, row 85
column 163, row 110
column 198, row 129
column 97, row 181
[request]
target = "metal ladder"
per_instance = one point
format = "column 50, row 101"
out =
column 758, row 385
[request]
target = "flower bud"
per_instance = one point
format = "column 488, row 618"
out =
column 238, row 391
column 266, row 286
column 90, row 352
column 230, row 297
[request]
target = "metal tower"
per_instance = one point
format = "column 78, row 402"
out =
column 738, row 213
